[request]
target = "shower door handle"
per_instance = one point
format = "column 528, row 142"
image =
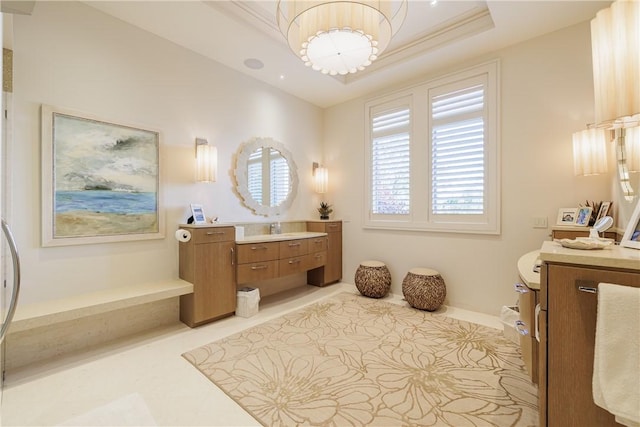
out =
column 16, row 279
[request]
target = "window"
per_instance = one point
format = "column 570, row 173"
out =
column 432, row 155
column 390, row 157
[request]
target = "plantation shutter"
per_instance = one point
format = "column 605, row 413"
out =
column 254, row 175
column 390, row 160
column 279, row 177
column 458, row 151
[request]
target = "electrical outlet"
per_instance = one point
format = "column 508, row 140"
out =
column 539, row 222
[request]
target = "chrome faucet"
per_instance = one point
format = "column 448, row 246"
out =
column 275, row 228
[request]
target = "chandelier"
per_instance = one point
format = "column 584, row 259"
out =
column 339, row 37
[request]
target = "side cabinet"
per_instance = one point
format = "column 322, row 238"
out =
column 331, row 272
column 208, row 261
column 568, row 325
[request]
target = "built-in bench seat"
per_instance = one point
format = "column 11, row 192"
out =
column 51, row 328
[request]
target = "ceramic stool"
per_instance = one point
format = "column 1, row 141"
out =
column 373, row 279
column 424, row 288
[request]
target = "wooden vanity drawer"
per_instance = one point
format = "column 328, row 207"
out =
column 254, row 252
column 257, row 271
column 316, row 260
column 293, row 265
column 212, row 234
column 324, row 227
column 317, row 244
column 293, row 248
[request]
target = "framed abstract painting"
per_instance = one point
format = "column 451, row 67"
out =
column 100, row 180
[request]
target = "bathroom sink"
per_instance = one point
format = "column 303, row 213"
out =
column 280, row 237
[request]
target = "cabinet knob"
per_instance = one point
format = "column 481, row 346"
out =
column 521, row 327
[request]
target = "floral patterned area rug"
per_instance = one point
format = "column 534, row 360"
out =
column 352, row 360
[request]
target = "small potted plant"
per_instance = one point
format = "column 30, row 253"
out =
column 325, row 210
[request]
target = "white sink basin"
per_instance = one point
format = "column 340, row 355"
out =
column 279, row 237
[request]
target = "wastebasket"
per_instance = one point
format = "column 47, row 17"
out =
column 248, row 302
column 509, row 316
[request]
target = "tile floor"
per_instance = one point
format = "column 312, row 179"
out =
column 145, row 381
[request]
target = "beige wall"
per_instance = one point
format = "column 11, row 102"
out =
column 546, row 94
column 70, row 55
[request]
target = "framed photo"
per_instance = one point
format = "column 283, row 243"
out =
column 631, row 238
column 604, row 210
column 567, row 216
column 198, row 214
column 583, row 216
column 100, row 180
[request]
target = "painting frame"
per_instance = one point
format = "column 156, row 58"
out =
column 603, row 211
column 101, row 180
column 583, row 216
column 631, row 237
column 567, row 216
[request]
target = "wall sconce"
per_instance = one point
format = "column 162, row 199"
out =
column 320, row 178
column 590, row 152
column 206, row 161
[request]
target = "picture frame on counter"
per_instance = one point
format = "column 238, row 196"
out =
column 583, row 216
column 631, row 237
column 603, row 211
column 198, row 214
column 567, row 216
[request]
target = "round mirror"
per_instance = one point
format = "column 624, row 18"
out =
column 266, row 176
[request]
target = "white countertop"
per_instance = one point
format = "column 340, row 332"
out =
column 279, row 237
column 612, row 256
column 525, row 270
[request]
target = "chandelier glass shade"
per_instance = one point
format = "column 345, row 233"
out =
column 339, row 37
column 615, row 44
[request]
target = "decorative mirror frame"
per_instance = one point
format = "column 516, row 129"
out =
column 241, row 174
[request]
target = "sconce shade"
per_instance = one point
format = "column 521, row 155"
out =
column 206, row 163
column 615, row 44
column 321, row 179
column 339, row 37
column 632, row 145
column 590, row 152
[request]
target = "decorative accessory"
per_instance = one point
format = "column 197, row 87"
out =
column 339, row 37
column 325, row 210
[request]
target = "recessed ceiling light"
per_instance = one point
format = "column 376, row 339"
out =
column 434, row 3
column 281, row 76
column 253, row 63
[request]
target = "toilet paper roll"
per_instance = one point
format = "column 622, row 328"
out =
column 183, row 235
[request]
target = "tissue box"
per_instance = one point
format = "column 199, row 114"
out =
column 239, row 232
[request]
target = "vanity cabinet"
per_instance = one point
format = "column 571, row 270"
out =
column 257, row 262
column 331, row 272
column 573, row 232
column 207, row 261
column 567, row 326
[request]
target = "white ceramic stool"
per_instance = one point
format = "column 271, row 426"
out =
column 373, row 279
column 424, row 288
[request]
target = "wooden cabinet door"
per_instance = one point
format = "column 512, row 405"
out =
column 333, row 268
column 216, row 291
column 571, row 325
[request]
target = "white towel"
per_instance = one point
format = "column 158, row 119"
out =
column 616, row 364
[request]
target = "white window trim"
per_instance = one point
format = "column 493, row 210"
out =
column 419, row 218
